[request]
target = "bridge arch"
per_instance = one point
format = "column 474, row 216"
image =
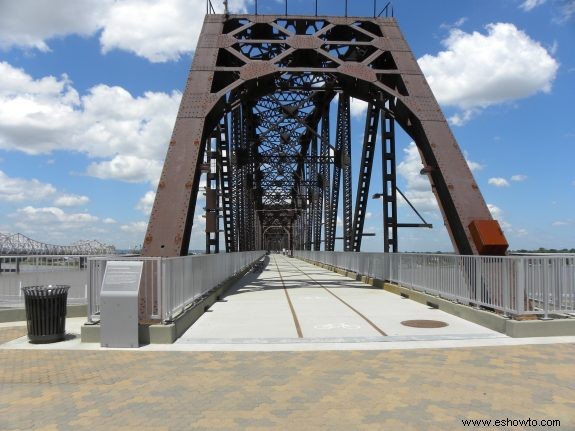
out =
column 291, row 68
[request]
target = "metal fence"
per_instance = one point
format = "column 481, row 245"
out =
column 514, row 285
column 169, row 285
column 20, row 271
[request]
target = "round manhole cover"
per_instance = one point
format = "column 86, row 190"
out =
column 424, row 323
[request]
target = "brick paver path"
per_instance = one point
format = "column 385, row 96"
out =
column 358, row 390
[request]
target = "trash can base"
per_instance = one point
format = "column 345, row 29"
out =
column 45, row 339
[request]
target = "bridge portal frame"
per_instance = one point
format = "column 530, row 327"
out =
column 225, row 77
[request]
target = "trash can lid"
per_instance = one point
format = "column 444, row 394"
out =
column 56, row 288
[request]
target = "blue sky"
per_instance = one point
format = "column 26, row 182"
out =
column 89, row 90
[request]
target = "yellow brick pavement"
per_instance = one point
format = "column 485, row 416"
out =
column 337, row 390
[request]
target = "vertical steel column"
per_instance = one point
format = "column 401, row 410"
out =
column 389, row 183
column 317, row 193
column 238, row 193
column 342, row 119
column 309, row 196
column 249, row 208
column 346, row 162
column 212, row 194
column 325, row 173
column 224, row 167
column 366, row 165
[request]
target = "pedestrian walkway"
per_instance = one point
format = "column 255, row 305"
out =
column 293, row 301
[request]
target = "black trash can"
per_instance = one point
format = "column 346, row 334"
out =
column 46, row 312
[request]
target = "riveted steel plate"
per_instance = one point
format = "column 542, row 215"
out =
column 382, row 43
column 360, row 71
column 225, row 41
column 426, row 108
column 398, row 45
column 256, row 68
column 208, row 41
column 304, row 42
column 406, row 62
column 341, row 20
column 263, row 19
column 197, row 105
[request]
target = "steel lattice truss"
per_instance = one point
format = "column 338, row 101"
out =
column 255, row 117
column 18, row 244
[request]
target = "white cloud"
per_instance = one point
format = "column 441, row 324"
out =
column 109, row 221
column 19, row 189
column 497, row 214
column 71, row 200
column 567, row 10
column 43, row 115
column 473, row 166
column 135, row 227
column 495, row 211
column 127, row 168
column 357, row 107
column 158, row 30
column 455, row 24
column 146, row 202
column 560, row 223
column 519, row 178
column 460, row 118
column 49, row 215
column 30, row 23
column 418, row 189
column 479, row 70
column 528, row 5
column 498, row 182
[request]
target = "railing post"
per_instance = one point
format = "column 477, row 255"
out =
column 520, row 290
column 546, row 291
column 399, row 270
column 164, row 283
column 477, row 287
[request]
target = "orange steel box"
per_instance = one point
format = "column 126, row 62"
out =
column 488, row 237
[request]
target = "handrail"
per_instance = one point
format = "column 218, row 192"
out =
column 388, row 9
column 513, row 285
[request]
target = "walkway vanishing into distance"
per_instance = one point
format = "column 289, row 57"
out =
column 288, row 300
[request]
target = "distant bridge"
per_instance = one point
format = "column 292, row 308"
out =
column 18, row 244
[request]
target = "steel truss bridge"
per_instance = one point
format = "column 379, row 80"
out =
column 261, row 103
column 18, row 244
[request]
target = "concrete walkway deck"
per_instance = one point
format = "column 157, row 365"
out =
column 292, row 301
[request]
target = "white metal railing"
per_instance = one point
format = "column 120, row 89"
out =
column 20, row 271
column 169, row 285
column 188, row 278
column 512, row 284
column 150, row 285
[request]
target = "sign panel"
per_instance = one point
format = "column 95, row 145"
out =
column 122, row 276
column 119, row 304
